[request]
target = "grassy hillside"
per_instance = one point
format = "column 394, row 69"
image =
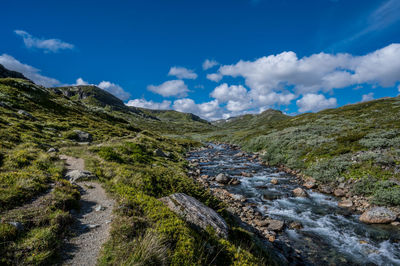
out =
column 359, row 141
column 144, row 231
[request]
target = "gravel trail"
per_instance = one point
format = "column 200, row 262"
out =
column 92, row 225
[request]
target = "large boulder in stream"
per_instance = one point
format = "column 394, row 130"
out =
column 196, row 213
column 222, row 178
column 378, row 215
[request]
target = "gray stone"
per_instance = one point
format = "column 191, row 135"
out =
column 196, row 213
column 222, row 178
column 378, row 215
column 99, row 208
column 17, row 225
column 78, row 175
column 52, row 150
column 26, row 114
column 160, row 153
column 83, row 136
column 275, row 225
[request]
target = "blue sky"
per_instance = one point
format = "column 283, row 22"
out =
column 296, row 56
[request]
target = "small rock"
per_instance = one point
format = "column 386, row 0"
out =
column 274, row 181
column 345, row 203
column 275, row 225
column 160, row 153
column 77, row 175
column 17, row 225
column 339, row 192
column 99, row 208
column 378, row 215
column 25, row 113
column 234, row 182
column 295, row 225
column 299, row 192
column 245, row 174
column 395, row 223
column 271, row 238
column 92, row 226
column 83, row 136
column 51, row 150
column 363, row 242
column 222, row 178
column 325, row 189
column 309, row 184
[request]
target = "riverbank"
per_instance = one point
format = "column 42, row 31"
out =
column 314, row 228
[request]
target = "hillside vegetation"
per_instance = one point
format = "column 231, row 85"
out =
column 34, row 119
column 359, row 141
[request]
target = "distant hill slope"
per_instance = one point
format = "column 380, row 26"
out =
column 172, row 115
column 358, row 141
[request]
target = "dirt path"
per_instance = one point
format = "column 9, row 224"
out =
column 92, row 225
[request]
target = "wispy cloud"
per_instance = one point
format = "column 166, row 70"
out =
column 30, row 72
column 47, row 45
column 182, row 73
column 382, row 17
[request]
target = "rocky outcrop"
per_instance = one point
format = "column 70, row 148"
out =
column 26, row 114
column 196, row 213
column 378, row 215
column 79, row 175
column 345, row 203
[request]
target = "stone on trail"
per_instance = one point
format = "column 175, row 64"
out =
column 196, row 213
column 78, row 175
column 378, row 215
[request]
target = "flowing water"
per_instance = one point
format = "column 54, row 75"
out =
column 330, row 235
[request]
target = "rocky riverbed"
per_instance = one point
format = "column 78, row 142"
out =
column 292, row 214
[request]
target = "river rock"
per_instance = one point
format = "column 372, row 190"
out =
column 222, row 178
column 239, row 154
column 245, row 174
column 295, row 225
column 339, row 192
column 274, row 181
column 275, row 225
column 345, row 203
column 83, row 136
column 378, row 215
column 196, row 213
column 234, row 182
column 309, row 184
column 299, row 192
column 325, row 189
column 78, row 175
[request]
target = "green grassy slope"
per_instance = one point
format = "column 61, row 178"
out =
column 121, row 155
column 359, row 141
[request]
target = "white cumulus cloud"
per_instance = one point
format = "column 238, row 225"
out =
column 315, row 102
column 48, row 45
column 182, row 73
column 367, row 97
column 208, row 110
column 207, row 64
column 164, row 105
column 318, row 72
column 170, row 88
column 28, row 71
column 216, row 77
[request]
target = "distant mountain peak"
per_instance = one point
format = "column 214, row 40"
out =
column 6, row 73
